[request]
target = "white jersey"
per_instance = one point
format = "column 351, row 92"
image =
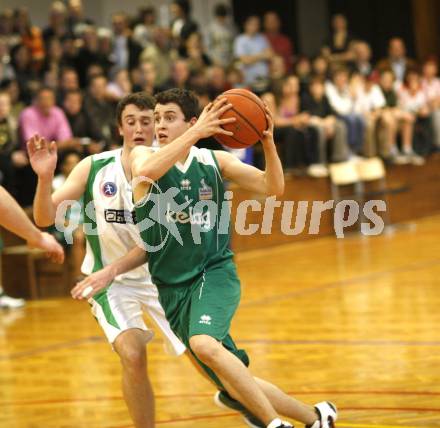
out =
column 109, row 220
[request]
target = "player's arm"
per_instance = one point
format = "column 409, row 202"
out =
column 13, row 218
column 156, row 164
column 270, row 181
column 97, row 281
column 43, row 159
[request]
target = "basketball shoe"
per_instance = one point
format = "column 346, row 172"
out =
column 327, row 414
column 224, row 400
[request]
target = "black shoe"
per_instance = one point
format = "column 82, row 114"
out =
column 224, row 400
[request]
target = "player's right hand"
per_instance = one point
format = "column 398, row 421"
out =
column 42, row 156
column 54, row 251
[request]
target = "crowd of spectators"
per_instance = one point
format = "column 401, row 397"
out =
column 63, row 82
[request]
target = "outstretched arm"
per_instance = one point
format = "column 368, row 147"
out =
column 97, row 281
column 13, row 218
column 270, row 181
column 43, row 159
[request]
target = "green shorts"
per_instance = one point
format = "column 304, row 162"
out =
column 205, row 306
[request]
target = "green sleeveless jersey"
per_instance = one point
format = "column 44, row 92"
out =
column 184, row 221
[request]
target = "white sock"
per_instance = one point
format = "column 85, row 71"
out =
column 275, row 423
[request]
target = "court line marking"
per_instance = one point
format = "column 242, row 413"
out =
column 348, row 342
column 205, row 395
column 54, row 346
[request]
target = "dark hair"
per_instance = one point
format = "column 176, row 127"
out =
column 141, row 100
column 185, row 99
column 221, row 10
column 184, row 5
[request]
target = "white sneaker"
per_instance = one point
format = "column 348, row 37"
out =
column 416, row 160
column 327, row 413
column 10, row 302
column 317, row 170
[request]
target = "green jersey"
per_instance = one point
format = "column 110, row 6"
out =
column 184, row 221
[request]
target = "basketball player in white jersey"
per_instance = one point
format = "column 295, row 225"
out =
column 117, row 298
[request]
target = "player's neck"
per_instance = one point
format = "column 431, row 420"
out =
column 183, row 158
column 125, row 160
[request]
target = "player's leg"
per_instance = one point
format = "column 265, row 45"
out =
column 214, row 301
column 119, row 313
column 284, row 404
column 136, row 386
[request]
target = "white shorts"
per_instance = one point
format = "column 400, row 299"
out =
column 121, row 306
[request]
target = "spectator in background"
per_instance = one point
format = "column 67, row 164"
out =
column 7, row 33
column 12, row 89
column 69, row 81
column 100, row 110
column 49, row 121
column 341, row 99
column 397, row 59
column 119, row 86
column 220, row 37
column 369, row 102
column 70, row 51
column 45, row 119
column 331, row 130
column 193, row 51
column 253, row 51
column 143, row 32
column 6, row 69
column 181, row 24
column 431, row 89
column 53, row 62
column 277, row 75
column 31, row 37
column 57, row 27
column 362, row 58
column 320, row 68
column 126, row 51
column 161, row 54
column 85, row 134
column 299, row 140
column 337, row 48
column 303, row 70
column 76, row 20
column 180, row 75
column 146, row 78
column 11, row 157
column 396, row 121
column 279, row 42
column 216, row 81
column 88, row 54
column 412, row 99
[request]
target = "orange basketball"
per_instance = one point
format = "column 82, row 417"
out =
column 250, row 114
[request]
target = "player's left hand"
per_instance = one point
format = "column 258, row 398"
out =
column 268, row 133
column 93, row 284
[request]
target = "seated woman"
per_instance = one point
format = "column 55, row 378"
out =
column 396, row 120
column 298, row 140
column 412, row 99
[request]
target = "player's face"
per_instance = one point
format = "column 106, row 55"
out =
column 137, row 126
column 169, row 122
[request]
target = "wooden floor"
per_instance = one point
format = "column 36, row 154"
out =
column 355, row 321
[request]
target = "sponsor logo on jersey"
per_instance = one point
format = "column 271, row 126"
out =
column 185, row 184
column 205, row 319
column 120, row 216
column 182, row 217
column 205, row 191
column 109, row 189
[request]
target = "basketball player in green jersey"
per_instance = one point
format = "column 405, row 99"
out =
column 118, row 284
column 179, row 193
